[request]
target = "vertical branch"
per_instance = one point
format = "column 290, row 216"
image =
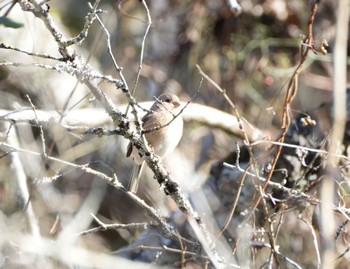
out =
column 40, row 127
column 149, row 23
column 252, row 163
column 291, row 92
column 119, row 69
column 22, row 184
column 339, row 91
column 292, row 89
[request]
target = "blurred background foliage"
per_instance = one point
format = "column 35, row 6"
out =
column 251, row 55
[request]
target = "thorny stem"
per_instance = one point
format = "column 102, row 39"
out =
column 291, row 93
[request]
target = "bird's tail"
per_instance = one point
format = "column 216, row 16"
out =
column 135, row 177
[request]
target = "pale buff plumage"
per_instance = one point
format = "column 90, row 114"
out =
column 164, row 140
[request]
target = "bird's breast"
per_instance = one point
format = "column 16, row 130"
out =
column 167, row 138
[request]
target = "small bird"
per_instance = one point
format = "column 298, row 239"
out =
column 165, row 120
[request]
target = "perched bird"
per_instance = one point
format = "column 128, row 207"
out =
column 162, row 127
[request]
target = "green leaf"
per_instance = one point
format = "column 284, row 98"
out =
column 10, row 23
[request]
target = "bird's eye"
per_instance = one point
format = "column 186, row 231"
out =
column 167, row 100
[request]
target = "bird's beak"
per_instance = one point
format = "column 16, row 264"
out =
column 177, row 103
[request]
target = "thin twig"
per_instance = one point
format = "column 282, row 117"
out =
column 43, row 143
column 249, row 147
column 111, row 180
column 39, row 55
column 89, row 19
column 318, row 151
column 260, row 244
column 314, row 238
column 291, row 192
column 291, row 92
column 238, row 193
column 106, row 227
column 148, row 23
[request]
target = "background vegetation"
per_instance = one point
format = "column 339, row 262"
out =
column 63, row 166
